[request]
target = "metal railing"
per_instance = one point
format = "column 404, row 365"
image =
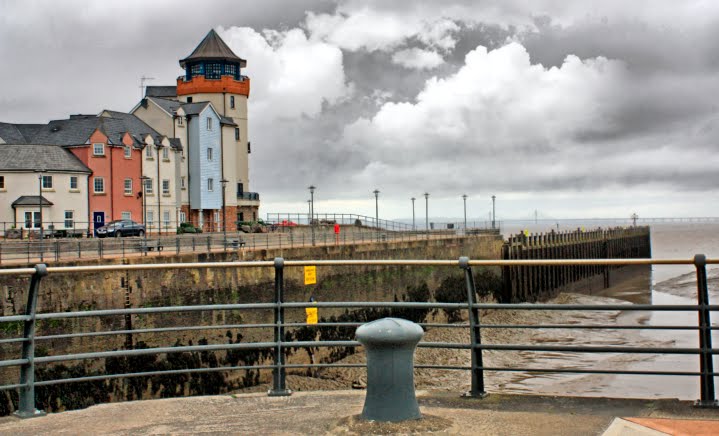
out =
column 63, row 249
column 29, row 360
column 372, row 222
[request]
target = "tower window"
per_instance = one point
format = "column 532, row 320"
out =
column 230, row 69
column 209, row 154
column 210, row 185
column 196, row 70
column 232, row 102
column 213, row 70
column 237, row 133
column 209, row 123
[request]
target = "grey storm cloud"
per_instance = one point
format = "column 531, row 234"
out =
column 529, row 96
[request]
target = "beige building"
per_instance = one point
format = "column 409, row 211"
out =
column 161, row 161
column 47, row 178
column 212, row 75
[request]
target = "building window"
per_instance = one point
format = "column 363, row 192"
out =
column 166, row 218
column 231, row 70
column 179, row 121
column 183, row 217
column 126, row 215
column 69, row 219
column 209, row 123
column 210, row 185
column 166, row 187
column 128, row 186
column 240, row 216
column 165, row 153
column 128, row 152
column 150, row 218
column 213, row 70
column 240, row 189
column 32, row 220
column 182, row 182
column 209, row 154
column 189, row 99
column 98, row 149
column 148, row 152
column 46, row 182
column 2, row 183
column 73, row 183
column 237, row 133
column 232, row 97
column 148, row 186
column 99, row 185
column 196, row 71
column 217, row 219
column 249, row 148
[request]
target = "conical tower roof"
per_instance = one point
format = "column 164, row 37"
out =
column 213, row 48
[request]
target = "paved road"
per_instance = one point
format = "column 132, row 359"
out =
column 329, row 413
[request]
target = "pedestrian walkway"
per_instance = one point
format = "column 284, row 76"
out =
column 334, row 412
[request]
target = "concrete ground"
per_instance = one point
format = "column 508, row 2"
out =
column 332, row 413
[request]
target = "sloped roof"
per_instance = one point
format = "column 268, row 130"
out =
column 194, row 108
column 212, row 47
column 31, row 200
column 18, row 133
column 176, row 143
column 169, row 106
column 23, row 157
column 161, row 91
column 227, row 121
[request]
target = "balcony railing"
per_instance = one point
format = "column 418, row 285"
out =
column 248, row 196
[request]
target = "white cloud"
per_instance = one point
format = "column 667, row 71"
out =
column 291, row 76
column 418, row 59
column 383, row 30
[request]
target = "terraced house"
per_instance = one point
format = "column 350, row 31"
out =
column 180, row 155
column 107, row 146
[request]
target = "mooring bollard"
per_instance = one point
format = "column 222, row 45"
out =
column 390, row 344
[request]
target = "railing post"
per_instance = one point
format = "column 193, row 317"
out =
column 278, row 373
column 477, row 390
column 706, row 364
column 26, row 404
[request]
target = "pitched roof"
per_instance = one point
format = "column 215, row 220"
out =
column 169, row 106
column 212, row 47
column 23, row 157
column 194, row 108
column 18, row 133
column 176, row 143
column 31, row 200
column 161, row 91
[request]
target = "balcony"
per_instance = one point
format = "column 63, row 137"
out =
column 248, row 198
column 201, row 84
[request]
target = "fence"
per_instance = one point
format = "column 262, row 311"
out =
column 28, row 360
column 62, row 249
column 370, row 221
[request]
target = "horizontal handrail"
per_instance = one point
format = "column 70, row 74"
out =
column 319, row 263
column 285, row 344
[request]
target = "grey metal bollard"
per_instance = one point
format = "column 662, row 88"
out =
column 390, row 344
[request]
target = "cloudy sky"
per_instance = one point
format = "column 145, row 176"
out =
column 572, row 109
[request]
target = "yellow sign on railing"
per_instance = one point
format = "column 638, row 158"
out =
column 310, row 275
column 311, row 315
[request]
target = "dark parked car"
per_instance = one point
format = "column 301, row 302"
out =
column 121, row 228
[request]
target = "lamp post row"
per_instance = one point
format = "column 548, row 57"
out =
column 376, row 193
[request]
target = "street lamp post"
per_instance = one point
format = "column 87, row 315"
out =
column 376, row 210
column 312, row 211
column 414, row 228
column 224, row 183
column 143, row 182
column 426, row 212
column 39, row 203
column 493, row 212
column 464, row 197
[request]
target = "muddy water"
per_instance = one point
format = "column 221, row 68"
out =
column 669, row 285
